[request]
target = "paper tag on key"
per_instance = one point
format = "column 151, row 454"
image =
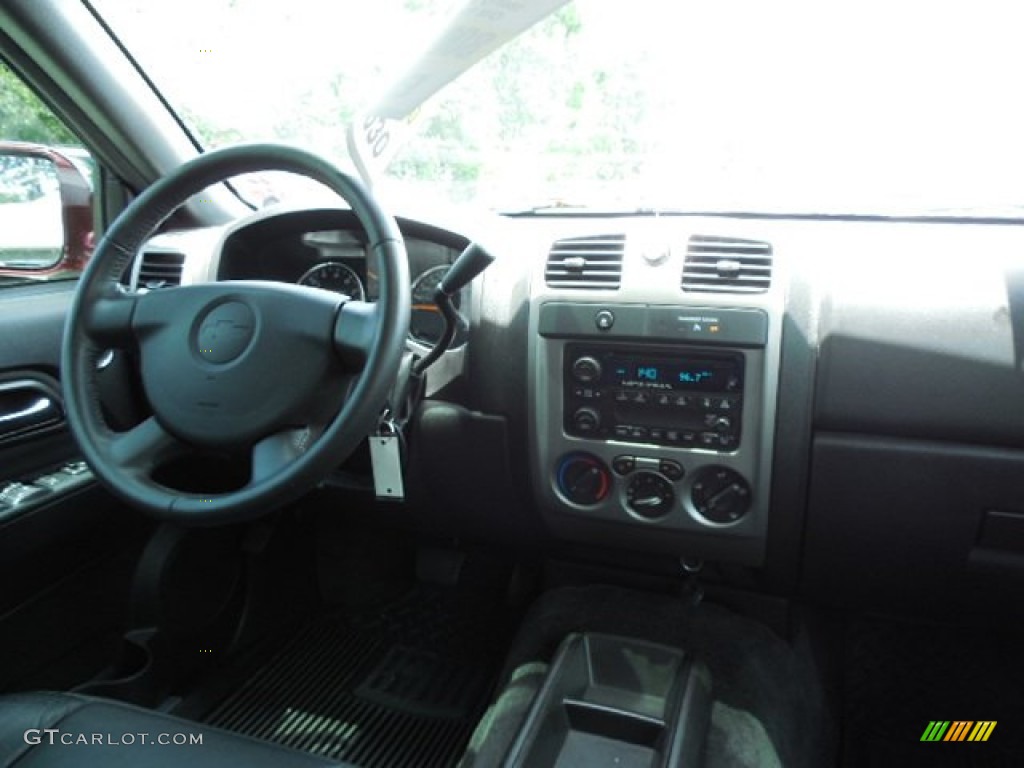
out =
column 386, row 461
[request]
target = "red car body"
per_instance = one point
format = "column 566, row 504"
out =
column 76, row 212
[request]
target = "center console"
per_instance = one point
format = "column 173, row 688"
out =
column 653, row 412
column 616, row 701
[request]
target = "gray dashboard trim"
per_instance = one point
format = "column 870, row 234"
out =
column 646, row 286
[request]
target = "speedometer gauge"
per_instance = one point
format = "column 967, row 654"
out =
column 426, row 323
column 337, row 277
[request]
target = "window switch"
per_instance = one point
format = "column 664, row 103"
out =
column 17, row 494
column 54, row 482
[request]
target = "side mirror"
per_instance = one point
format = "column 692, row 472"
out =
column 45, row 212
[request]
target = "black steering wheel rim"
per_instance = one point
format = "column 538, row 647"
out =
column 368, row 341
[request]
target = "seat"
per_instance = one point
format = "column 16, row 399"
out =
column 58, row 730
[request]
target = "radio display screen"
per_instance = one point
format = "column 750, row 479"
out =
column 689, row 374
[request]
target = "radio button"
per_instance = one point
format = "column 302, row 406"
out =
column 586, row 420
column 673, row 470
column 673, row 435
column 707, row 403
column 641, row 398
column 638, row 432
column 717, row 422
column 623, row 431
column 726, row 404
column 646, row 462
column 709, row 439
column 688, row 437
column 604, row 320
column 586, row 370
column 657, row 433
column 663, row 400
column 623, row 465
column 621, row 396
column 682, row 401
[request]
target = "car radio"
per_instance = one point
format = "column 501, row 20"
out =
column 667, row 397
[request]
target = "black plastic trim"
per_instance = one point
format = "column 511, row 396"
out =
column 29, row 405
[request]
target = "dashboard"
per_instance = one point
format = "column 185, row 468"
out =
column 834, row 406
column 327, row 249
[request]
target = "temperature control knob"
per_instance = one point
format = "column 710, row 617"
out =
column 583, row 479
column 586, row 370
column 649, row 495
column 720, row 495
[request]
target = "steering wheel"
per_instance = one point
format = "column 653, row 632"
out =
column 235, row 366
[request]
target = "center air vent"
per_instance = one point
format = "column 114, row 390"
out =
column 160, row 269
column 589, row 263
column 727, row 265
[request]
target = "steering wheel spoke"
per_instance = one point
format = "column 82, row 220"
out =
column 275, row 452
column 144, row 446
column 108, row 320
column 354, row 333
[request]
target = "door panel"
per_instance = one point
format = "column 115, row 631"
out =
column 67, row 547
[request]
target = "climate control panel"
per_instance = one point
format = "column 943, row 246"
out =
column 653, row 488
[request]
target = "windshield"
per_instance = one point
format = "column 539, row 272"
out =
column 802, row 107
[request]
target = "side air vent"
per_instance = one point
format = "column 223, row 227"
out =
column 588, row 263
column 727, row 265
column 160, row 269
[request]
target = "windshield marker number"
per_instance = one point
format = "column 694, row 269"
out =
column 377, row 136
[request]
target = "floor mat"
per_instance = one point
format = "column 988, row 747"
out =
column 404, row 687
column 900, row 677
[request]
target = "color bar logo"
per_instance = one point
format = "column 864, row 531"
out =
column 958, row 730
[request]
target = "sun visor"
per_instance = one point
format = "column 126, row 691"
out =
column 477, row 29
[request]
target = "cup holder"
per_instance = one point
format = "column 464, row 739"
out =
column 616, row 701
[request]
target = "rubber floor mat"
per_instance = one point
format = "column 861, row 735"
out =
column 403, row 688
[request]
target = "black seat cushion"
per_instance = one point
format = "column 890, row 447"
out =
column 124, row 736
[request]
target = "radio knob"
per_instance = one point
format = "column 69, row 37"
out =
column 723, row 423
column 586, row 420
column 586, row 370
